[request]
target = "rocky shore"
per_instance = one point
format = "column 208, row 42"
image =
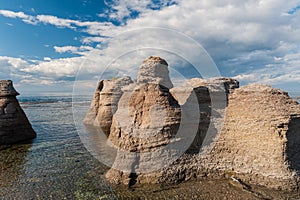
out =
column 204, row 129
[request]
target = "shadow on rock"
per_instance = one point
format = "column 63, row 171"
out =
column 293, row 144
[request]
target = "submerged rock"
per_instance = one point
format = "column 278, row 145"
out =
column 14, row 125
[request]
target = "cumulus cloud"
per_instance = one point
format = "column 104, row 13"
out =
column 252, row 40
column 281, row 71
column 120, row 10
column 12, row 68
column 242, row 37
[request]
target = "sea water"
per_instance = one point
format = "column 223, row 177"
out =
column 57, row 165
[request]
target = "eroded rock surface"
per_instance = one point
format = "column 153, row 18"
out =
column 105, row 103
column 251, row 134
column 154, row 70
column 137, row 126
column 259, row 143
column 261, row 137
column 210, row 101
column 14, row 125
column 146, row 121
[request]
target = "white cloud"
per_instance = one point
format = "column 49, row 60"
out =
column 53, row 20
column 65, row 49
column 12, row 14
column 25, row 18
column 253, row 40
column 13, row 63
column 88, row 40
column 282, row 71
column 55, row 68
column 121, row 10
column 82, row 50
column 93, row 28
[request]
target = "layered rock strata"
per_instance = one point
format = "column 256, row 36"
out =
column 154, row 70
column 214, row 130
column 261, row 137
column 14, row 125
column 136, row 126
column 259, row 144
column 105, row 103
column 210, row 102
column 146, row 122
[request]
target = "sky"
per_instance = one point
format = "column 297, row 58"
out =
column 63, row 45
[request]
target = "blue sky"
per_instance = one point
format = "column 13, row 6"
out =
column 46, row 45
column 22, row 39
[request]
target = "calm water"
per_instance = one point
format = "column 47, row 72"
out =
column 56, row 165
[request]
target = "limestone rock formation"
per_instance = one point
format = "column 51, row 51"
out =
column 146, row 121
column 14, row 125
column 261, row 137
column 147, row 117
column 206, row 91
column 250, row 133
column 154, row 70
column 105, row 103
column 259, row 143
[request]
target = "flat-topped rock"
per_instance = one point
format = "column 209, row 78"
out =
column 261, row 137
column 219, row 84
column 14, row 125
column 154, row 70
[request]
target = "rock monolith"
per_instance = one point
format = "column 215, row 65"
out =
column 250, row 135
column 105, row 103
column 14, row 125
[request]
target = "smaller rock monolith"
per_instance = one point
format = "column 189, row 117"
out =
column 14, row 125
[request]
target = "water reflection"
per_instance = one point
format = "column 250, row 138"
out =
column 95, row 141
